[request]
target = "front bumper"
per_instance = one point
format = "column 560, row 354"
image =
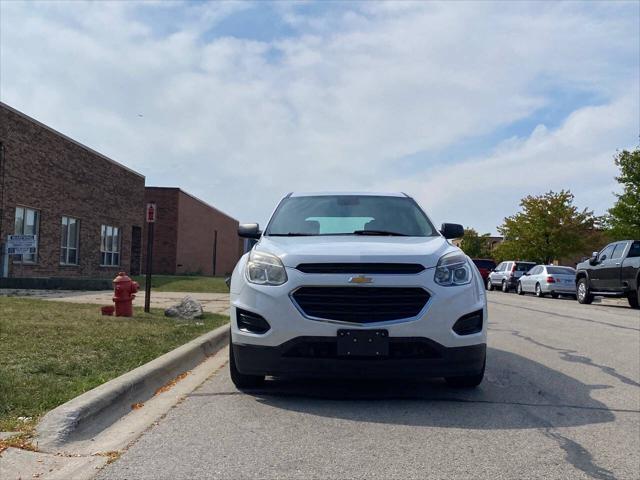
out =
column 296, row 344
column 445, row 306
column 316, row 357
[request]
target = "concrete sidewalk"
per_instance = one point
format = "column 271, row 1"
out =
column 211, row 302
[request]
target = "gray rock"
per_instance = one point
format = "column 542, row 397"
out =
column 188, row 309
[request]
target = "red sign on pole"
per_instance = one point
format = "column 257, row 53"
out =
column 150, row 215
column 151, row 212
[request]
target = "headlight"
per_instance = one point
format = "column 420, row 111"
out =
column 453, row 269
column 265, row 269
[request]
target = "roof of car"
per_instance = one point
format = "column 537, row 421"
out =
column 372, row 194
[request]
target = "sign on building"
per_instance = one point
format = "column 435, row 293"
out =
column 151, row 212
column 21, row 244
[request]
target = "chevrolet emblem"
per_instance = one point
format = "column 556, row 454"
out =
column 360, row 279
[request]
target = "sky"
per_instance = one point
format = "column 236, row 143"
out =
column 466, row 106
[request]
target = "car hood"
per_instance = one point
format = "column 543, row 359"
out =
column 336, row 249
column 583, row 265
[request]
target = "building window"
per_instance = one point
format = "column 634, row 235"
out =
column 27, row 220
column 69, row 232
column 109, row 246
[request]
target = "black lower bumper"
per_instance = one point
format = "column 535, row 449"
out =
column 317, row 357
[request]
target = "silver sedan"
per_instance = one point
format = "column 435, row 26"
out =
column 548, row 279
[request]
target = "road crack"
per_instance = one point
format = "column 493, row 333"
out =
column 573, row 357
column 572, row 317
column 578, row 456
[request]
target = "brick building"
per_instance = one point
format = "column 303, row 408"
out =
column 190, row 236
column 86, row 209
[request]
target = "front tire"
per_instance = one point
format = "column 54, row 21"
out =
column 583, row 295
column 240, row 380
column 489, row 285
column 467, row 381
column 634, row 299
column 519, row 289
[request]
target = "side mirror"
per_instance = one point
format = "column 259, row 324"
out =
column 452, row 230
column 594, row 258
column 249, row 230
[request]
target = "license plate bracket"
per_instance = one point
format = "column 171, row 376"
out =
column 363, row 343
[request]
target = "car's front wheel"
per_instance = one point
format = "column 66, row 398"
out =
column 583, row 294
column 489, row 285
column 240, row 380
column 634, row 299
column 519, row 289
column 467, row 381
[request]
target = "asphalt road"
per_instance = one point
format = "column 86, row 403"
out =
column 561, row 399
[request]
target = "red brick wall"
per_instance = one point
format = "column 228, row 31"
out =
column 197, row 224
column 184, row 235
column 56, row 176
column 165, row 230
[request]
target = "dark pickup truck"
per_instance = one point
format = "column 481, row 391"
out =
column 614, row 272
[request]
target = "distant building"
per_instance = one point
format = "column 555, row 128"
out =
column 86, row 209
column 87, row 212
column 191, row 236
column 492, row 242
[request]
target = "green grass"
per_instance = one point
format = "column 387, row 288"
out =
column 184, row 283
column 51, row 352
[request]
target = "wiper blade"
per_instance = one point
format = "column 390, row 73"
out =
column 292, row 234
column 379, row 232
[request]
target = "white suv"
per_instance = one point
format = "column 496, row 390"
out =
column 356, row 285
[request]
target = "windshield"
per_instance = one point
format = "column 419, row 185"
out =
column 349, row 215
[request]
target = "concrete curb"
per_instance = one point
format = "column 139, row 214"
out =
column 93, row 411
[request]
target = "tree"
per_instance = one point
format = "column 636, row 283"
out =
column 548, row 227
column 623, row 221
column 474, row 245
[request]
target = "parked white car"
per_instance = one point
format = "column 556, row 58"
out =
column 506, row 275
column 548, row 279
column 356, row 285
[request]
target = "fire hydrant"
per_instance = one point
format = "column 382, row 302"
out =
column 123, row 294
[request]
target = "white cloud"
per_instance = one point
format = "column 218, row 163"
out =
column 577, row 156
column 241, row 122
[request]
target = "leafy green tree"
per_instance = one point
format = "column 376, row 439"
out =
column 548, row 227
column 623, row 221
column 474, row 245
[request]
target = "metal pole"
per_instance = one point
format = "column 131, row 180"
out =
column 147, row 285
column 215, row 250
